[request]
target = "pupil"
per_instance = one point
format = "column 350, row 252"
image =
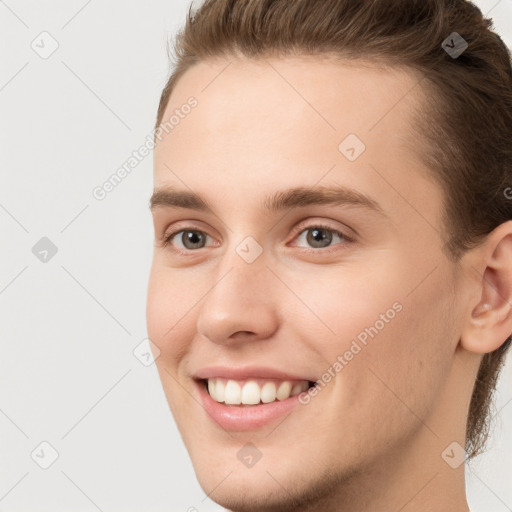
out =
column 191, row 239
column 318, row 236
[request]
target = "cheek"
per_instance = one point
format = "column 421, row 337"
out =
column 169, row 306
column 348, row 308
column 403, row 369
column 395, row 345
column 166, row 317
column 157, row 306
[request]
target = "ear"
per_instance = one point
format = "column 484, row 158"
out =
column 489, row 322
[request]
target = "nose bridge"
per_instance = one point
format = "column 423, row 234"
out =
column 244, row 269
column 239, row 281
column 240, row 299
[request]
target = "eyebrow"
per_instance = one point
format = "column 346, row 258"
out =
column 297, row 197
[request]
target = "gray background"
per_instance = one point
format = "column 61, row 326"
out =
column 70, row 325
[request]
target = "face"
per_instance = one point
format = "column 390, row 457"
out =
column 308, row 258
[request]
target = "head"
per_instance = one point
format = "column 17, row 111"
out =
column 384, row 277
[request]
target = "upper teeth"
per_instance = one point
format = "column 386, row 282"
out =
column 251, row 392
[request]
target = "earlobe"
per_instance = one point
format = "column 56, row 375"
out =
column 490, row 321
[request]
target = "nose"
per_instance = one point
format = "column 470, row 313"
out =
column 241, row 305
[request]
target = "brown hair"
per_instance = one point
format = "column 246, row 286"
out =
column 465, row 120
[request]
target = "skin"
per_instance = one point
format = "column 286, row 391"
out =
column 372, row 438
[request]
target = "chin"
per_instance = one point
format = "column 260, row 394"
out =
column 250, row 493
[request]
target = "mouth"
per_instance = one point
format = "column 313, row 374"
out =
column 253, row 392
column 251, row 404
column 247, row 398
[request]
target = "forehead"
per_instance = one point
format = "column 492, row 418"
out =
column 323, row 87
column 263, row 124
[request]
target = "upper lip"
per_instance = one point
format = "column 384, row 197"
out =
column 247, row 372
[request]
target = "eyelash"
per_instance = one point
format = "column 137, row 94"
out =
column 166, row 242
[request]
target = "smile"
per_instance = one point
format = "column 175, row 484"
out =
column 248, row 399
column 253, row 391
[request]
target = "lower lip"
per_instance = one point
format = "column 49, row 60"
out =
column 244, row 417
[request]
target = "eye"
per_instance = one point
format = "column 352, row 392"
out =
column 190, row 239
column 315, row 237
column 319, row 237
